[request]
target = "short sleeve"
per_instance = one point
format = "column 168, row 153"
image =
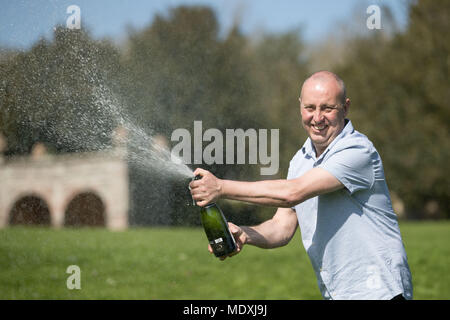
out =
column 352, row 166
column 291, row 170
column 293, row 166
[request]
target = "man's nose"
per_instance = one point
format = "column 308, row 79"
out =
column 318, row 116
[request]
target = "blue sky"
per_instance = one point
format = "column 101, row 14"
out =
column 22, row 22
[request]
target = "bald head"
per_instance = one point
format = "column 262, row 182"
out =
column 329, row 79
column 323, row 107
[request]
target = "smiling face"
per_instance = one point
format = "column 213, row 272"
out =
column 322, row 109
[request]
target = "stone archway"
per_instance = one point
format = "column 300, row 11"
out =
column 85, row 209
column 30, row 210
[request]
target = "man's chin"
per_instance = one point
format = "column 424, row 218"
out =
column 318, row 140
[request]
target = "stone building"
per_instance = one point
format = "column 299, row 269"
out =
column 77, row 189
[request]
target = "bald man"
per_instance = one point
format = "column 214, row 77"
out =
column 336, row 191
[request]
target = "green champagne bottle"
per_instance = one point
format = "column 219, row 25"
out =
column 216, row 228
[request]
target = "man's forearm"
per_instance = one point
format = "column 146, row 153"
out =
column 275, row 193
column 265, row 236
column 281, row 193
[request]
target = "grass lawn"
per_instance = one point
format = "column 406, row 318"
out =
column 173, row 263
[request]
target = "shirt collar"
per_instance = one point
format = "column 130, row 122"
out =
column 308, row 147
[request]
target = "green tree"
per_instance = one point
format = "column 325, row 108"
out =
column 398, row 87
column 279, row 72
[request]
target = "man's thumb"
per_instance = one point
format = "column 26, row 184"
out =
column 234, row 229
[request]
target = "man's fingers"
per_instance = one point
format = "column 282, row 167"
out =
column 235, row 230
column 201, row 203
column 201, row 199
column 200, row 171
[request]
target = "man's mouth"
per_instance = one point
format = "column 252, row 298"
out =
column 319, row 127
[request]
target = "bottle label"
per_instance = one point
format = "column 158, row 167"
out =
column 216, row 241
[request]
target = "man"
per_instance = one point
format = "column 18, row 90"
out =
column 336, row 191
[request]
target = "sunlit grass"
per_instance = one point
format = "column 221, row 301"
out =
column 173, row 263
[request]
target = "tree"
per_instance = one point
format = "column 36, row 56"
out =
column 398, row 87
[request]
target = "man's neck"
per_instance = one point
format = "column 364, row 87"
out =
column 319, row 150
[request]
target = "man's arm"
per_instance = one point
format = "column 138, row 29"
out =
column 273, row 233
column 276, row 193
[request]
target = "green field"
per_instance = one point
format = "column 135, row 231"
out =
column 173, row 263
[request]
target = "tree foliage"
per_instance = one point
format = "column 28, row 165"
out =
column 398, row 88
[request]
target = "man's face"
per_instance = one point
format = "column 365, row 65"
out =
column 323, row 115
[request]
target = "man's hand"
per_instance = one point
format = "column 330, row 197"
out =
column 207, row 189
column 239, row 235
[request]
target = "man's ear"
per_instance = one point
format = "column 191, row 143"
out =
column 346, row 106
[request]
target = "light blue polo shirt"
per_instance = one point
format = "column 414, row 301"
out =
column 352, row 235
